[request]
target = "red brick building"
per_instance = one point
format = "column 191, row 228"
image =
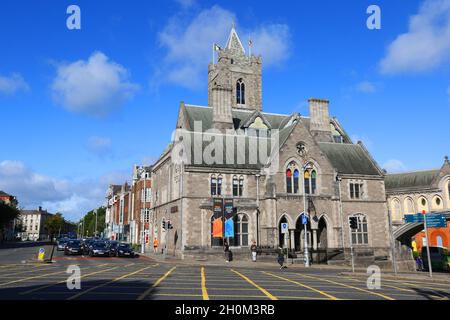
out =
column 438, row 237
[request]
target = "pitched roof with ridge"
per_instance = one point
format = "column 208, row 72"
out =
column 349, row 158
column 411, row 180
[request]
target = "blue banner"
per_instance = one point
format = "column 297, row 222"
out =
column 229, row 228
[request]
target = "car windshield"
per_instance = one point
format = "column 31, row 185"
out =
column 100, row 245
column 74, row 243
column 124, row 246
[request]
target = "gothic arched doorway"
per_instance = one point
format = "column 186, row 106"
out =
column 281, row 237
column 322, row 234
column 299, row 234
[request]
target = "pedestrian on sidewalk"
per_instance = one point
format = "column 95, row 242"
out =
column 419, row 263
column 253, row 249
column 281, row 258
column 155, row 245
column 226, row 250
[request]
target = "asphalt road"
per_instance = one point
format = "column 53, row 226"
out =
column 144, row 279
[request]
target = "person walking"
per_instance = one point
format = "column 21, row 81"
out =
column 281, row 258
column 419, row 263
column 226, row 250
column 155, row 245
column 253, row 249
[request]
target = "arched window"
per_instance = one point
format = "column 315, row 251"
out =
column 396, row 210
column 439, row 241
column 360, row 236
column 213, row 185
column 216, row 185
column 288, row 181
column 238, row 186
column 409, row 206
column 241, row 186
column 437, row 203
column 310, row 181
column 241, row 230
column 240, row 92
column 292, row 178
column 448, row 190
column 422, row 204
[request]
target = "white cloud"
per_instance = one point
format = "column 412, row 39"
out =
column 394, row 166
column 189, row 44
column 11, row 84
column 366, row 87
column 99, row 145
column 72, row 198
column 96, row 87
column 426, row 45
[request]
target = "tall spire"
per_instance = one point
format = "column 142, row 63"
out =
column 234, row 43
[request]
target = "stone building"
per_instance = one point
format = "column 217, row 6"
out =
column 33, row 224
column 413, row 192
column 271, row 166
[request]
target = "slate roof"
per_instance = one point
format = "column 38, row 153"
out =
column 205, row 114
column 4, row 194
column 411, row 180
column 349, row 158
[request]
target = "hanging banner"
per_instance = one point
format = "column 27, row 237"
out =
column 217, row 228
column 228, row 208
column 229, row 228
column 218, row 208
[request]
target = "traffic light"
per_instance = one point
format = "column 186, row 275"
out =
column 353, row 222
column 164, row 224
column 169, row 225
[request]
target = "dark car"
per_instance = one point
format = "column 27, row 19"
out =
column 61, row 244
column 99, row 249
column 86, row 246
column 124, row 250
column 73, row 247
column 113, row 247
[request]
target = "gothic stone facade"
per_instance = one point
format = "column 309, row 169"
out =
column 341, row 178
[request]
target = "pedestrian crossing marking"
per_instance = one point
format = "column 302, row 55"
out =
column 348, row 286
column 148, row 291
column 267, row 293
column 109, row 282
column 303, row 285
column 203, row 282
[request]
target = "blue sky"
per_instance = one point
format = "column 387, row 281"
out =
column 68, row 131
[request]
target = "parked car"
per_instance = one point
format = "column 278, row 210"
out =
column 124, row 250
column 113, row 247
column 99, row 248
column 73, row 247
column 61, row 244
column 86, row 246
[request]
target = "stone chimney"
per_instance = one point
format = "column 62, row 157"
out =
column 320, row 120
column 40, row 208
column 221, row 104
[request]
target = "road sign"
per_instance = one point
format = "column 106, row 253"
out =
column 413, row 218
column 284, row 227
column 41, row 255
column 436, row 221
column 304, row 219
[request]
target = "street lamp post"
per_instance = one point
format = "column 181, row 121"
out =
column 307, row 262
column 95, row 222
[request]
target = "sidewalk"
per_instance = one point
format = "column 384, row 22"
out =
column 340, row 270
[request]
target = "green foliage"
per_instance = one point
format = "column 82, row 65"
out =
column 7, row 214
column 89, row 222
column 55, row 224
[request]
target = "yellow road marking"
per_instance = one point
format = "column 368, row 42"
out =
column 149, row 290
column 267, row 293
column 348, row 286
column 303, row 285
column 106, row 283
column 204, row 291
column 63, row 281
column 31, row 278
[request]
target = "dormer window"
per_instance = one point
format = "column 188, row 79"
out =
column 240, row 92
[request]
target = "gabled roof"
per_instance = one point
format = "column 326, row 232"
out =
column 349, row 158
column 233, row 42
column 411, row 180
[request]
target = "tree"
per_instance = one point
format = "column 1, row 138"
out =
column 7, row 214
column 89, row 221
column 54, row 224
